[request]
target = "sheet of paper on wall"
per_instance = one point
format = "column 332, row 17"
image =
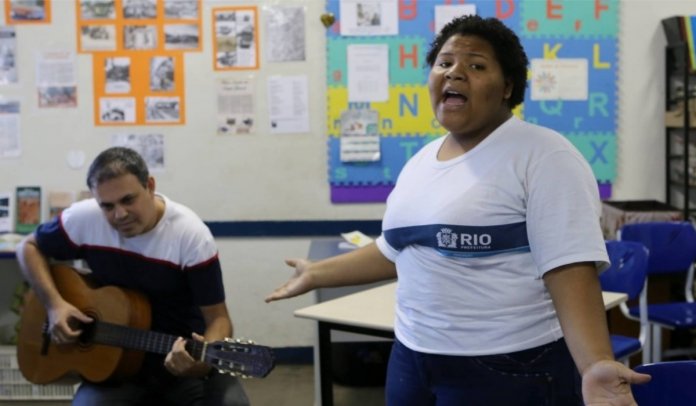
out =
column 360, row 136
column 445, row 13
column 59, row 201
column 354, row 239
column 8, row 56
column 235, row 98
column 285, row 34
column 5, row 212
column 368, row 72
column 559, row 79
column 28, row 209
column 9, row 129
column 56, row 79
column 149, row 146
column 369, row 17
column 288, row 104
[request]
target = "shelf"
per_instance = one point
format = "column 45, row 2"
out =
column 680, row 88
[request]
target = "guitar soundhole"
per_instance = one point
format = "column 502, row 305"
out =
column 88, row 330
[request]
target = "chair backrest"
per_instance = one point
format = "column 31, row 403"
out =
column 672, row 245
column 672, row 384
column 628, row 270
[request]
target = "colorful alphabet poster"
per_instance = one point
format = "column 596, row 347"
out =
column 572, row 45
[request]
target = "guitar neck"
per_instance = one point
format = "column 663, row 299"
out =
column 142, row 340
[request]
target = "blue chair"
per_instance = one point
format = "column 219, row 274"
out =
column 628, row 274
column 672, row 247
column 672, row 384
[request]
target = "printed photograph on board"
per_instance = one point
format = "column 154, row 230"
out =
column 161, row 74
column 27, row 11
column 181, row 36
column 140, row 37
column 97, row 10
column 162, row 109
column 139, row 9
column 117, row 109
column 117, row 74
column 181, row 9
column 98, row 38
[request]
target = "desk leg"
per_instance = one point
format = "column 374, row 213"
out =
column 325, row 371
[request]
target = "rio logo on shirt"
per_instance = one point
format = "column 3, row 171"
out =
column 466, row 241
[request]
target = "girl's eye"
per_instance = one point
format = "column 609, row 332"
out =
column 474, row 66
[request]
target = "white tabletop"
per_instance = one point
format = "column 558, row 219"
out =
column 374, row 308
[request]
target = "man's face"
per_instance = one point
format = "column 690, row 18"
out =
column 128, row 206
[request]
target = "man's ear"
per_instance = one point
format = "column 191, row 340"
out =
column 151, row 184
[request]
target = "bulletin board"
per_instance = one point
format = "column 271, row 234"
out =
column 549, row 30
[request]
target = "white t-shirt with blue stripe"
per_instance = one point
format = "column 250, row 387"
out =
column 471, row 238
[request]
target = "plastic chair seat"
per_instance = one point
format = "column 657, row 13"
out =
column 675, row 315
column 672, row 384
column 623, row 346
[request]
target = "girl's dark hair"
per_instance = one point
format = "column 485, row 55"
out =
column 506, row 45
column 115, row 162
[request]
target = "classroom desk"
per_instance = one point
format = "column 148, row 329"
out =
column 368, row 312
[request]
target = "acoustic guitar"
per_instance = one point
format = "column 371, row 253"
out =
column 113, row 346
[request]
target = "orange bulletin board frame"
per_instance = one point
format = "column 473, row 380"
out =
column 21, row 13
column 152, row 103
column 169, row 28
column 235, row 38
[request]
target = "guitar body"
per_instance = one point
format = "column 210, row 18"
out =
column 42, row 361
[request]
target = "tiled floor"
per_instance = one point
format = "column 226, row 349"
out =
column 287, row 385
column 293, row 385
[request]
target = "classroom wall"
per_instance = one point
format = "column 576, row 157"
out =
column 249, row 191
column 640, row 166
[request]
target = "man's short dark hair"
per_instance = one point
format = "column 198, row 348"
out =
column 115, row 162
column 506, row 45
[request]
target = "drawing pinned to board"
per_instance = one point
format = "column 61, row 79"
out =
column 56, row 79
column 97, row 9
column 288, row 104
column 369, row 17
column 181, row 9
column 235, row 33
column 5, row 207
column 559, row 79
column 10, row 145
column 161, row 74
column 285, row 34
column 8, row 52
column 27, row 11
column 117, row 109
column 162, row 109
column 140, row 37
column 447, row 12
column 98, row 37
column 368, row 72
column 139, row 9
column 149, row 146
column 360, row 136
column 235, row 99
column 181, row 36
column 117, row 74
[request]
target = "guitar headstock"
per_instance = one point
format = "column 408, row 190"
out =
column 240, row 358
